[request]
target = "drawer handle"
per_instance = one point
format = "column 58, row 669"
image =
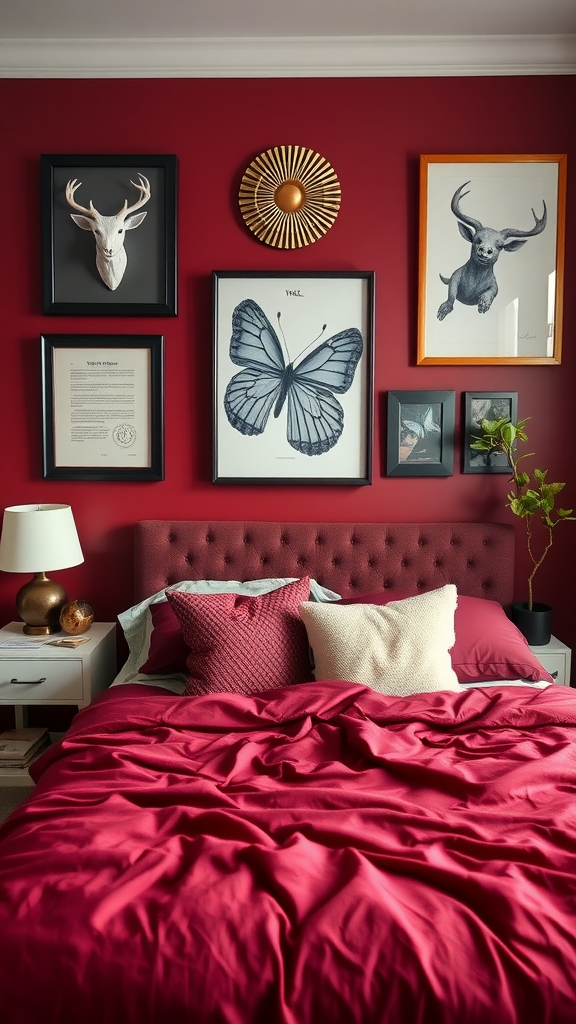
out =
column 28, row 682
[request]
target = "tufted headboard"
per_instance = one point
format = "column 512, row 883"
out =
column 350, row 558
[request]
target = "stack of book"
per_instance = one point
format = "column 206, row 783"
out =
column 19, row 747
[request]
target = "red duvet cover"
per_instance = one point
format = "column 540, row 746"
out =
column 316, row 855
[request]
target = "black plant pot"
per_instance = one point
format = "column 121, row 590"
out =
column 535, row 625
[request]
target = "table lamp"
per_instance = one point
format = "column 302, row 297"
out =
column 39, row 539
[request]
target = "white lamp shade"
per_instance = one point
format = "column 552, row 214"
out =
column 39, row 538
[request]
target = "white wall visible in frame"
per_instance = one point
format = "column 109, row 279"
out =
column 523, row 322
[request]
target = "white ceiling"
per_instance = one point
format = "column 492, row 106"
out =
column 78, row 38
column 80, row 19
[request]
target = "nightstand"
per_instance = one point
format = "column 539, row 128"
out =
column 556, row 659
column 53, row 675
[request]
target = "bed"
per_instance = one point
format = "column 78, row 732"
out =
column 240, row 838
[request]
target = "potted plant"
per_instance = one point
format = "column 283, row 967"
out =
column 531, row 497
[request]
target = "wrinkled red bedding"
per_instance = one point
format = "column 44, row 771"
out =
column 317, row 855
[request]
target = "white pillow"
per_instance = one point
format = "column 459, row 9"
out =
column 398, row 648
column 136, row 622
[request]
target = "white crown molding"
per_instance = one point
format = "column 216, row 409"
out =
column 295, row 57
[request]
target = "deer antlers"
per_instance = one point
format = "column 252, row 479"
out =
column 540, row 222
column 143, row 186
column 70, row 190
column 455, row 207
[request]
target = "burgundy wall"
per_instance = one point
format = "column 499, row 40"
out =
column 372, row 131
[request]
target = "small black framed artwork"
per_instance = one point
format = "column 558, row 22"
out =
column 103, row 406
column 293, row 377
column 420, row 433
column 486, row 405
column 109, row 235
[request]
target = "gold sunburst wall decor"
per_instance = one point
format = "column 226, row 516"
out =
column 289, row 197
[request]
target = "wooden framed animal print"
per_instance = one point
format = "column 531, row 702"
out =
column 109, row 235
column 491, row 259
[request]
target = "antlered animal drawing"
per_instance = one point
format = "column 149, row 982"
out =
column 109, row 232
column 474, row 284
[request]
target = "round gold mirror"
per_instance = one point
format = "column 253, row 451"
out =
column 289, row 197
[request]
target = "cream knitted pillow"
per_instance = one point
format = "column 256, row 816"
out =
column 398, row 648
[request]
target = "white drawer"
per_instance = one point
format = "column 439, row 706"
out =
column 60, row 680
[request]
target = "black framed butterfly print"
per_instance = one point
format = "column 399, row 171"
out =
column 420, row 438
column 293, row 377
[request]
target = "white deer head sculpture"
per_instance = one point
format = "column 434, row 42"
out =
column 109, row 232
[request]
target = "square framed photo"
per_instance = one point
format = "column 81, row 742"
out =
column 491, row 267
column 109, row 235
column 420, row 438
column 293, row 377
column 103, row 406
column 486, row 405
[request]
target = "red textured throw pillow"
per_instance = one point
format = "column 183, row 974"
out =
column 244, row 644
column 488, row 647
column 168, row 650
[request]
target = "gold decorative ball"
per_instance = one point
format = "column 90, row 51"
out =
column 76, row 617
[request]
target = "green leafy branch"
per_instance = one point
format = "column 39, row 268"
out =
column 530, row 496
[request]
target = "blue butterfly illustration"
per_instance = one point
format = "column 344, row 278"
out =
column 427, row 425
column 315, row 418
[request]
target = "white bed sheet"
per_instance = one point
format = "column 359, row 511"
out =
column 176, row 683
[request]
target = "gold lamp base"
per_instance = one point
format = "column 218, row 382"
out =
column 39, row 604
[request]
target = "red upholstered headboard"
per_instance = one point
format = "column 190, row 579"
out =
column 350, row 558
